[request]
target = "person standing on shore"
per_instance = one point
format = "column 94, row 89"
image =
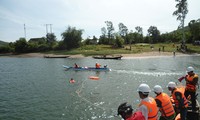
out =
column 148, row 105
column 164, row 104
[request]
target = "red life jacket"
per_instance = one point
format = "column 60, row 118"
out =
column 136, row 116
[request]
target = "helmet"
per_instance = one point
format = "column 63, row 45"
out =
column 144, row 88
column 124, row 109
column 157, row 89
column 190, row 69
column 171, row 84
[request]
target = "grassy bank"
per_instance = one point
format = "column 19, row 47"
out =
column 90, row 50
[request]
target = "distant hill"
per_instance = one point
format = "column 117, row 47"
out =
column 2, row 43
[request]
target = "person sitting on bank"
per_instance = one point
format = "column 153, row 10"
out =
column 148, row 105
column 164, row 104
column 181, row 103
column 126, row 112
column 97, row 65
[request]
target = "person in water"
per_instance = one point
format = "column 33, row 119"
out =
column 105, row 66
column 97, row 65
column 72, row 80
column 126, row 112
column 75, row 65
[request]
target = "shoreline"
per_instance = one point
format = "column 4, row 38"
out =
column 125, row 56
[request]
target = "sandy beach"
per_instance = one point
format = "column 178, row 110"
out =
column 125, row 56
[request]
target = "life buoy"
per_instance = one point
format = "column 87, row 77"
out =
column 94, row 78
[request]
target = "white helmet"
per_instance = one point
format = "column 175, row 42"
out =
column 144, row 88
column 157, row 89
column 190, row 69
column 171, row 84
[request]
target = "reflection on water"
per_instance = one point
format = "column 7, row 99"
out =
column 37, row 88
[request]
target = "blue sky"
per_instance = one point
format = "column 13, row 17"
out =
column 89, row 15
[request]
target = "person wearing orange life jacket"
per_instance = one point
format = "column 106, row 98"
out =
column 97, row 65
column 148, row 105
column 164, row 104
column 181, row 103
column 191, row 85
column 126, row 112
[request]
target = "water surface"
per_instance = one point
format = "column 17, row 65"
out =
column 38, row 88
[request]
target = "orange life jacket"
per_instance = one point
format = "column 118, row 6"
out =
column 183, row 97
column 189, row 86
column 98, row 65
column 152, row 109
column 167, row 107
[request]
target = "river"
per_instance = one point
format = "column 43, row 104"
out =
column 39, row 88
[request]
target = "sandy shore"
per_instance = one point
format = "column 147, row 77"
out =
column 125, row 56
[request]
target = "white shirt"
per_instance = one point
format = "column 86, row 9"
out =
column 144, row 109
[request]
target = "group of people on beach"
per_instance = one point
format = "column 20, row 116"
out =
column 169, row 107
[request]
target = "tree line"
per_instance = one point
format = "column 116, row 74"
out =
column 72, row 38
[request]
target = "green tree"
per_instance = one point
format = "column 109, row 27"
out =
column 21, row 46
column 110, row 30
column 154, row 33
column 51, row 38
column 92, row 41
column 194, row 27
column 103, row 31
column 181, row 14
column 123, row 32
column 139, row 35
column 103, row 38
column 119, row 41
column 139, row 30
column 72, row 38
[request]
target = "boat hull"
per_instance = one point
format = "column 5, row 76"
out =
column 107, row 57
column 87, row 68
